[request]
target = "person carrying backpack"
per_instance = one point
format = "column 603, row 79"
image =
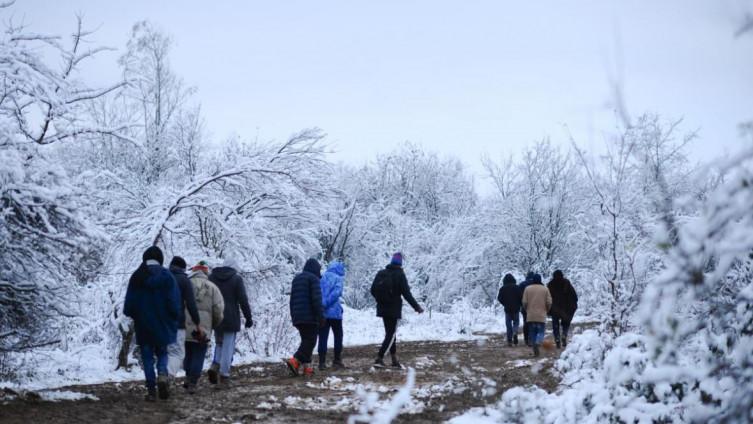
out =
column 522, row 288
column 537, row 301
column 332, row 290
column 233, row 290
column 307, row 315
column 564, row 305
column 512, row 299
column 389, row 288
column 176, row 352
column 152, row 300
column 211, row 308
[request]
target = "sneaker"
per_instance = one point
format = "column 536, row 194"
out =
column 396, row 363
column 293, row 365
column 308, row 370
column 515, row 340
column 213, row 373
column 163, row 387
column 536, row 350
column 225, row 380
column 151, row 395
column 338, row 364
column 379, row 363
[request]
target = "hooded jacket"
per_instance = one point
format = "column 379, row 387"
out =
column 537, row 300
column 153, row 301
column 234, row 295
column 332, row 290
column 394, row 307
column 306, row 295
column 187, row 300
column 564, row 297
column 510, row 295
column 209, row 303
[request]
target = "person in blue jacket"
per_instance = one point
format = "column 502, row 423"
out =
column 153, row 301
column 332, row 290
column 307, row 315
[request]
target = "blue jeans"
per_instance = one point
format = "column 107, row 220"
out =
column 337, row 329
column 194, row 360
column 148, row 352
column 512, row 321
column 537, row 330
column 556, row 321
column 223, row 351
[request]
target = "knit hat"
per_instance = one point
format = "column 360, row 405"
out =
column 153, row 253
column 178, row 262
column 201, row 266
column 537, row 278
column 397, row 259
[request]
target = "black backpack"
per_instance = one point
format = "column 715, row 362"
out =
column 383, row 288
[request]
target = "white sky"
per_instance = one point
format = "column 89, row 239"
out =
column 459, row 77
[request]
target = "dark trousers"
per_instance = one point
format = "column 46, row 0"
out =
column 390, row 337
column 308, row 334
column 337, row 329
column 556, row 321
column 194, row 360
column 148, row 353
column 512, row 321
column 526, row 327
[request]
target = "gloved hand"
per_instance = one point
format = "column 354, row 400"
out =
column 249, row 323
column 420, row 310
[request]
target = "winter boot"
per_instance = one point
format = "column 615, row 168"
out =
column 379, row 363
column 536, row 350
column 396, row 363
column 564, row 341
column 151, row 395
column 338, row 364
column 293, row 365
column 163, row 387
column 559, row 345
column 225, row 380
column 322, row 362
column 515, row 339
column 213, row 373
column 308, row 371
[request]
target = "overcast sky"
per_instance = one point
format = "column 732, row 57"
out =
column 460, row 77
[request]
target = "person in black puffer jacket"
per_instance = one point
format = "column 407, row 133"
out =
column 230, row 283
column 176, row 352
column 564, row 305
column 391, row 309
column 307, row 314
column 511, row 297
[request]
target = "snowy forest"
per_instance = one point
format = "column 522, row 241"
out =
column 658, row 245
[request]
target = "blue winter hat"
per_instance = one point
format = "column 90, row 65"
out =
column 397, row 259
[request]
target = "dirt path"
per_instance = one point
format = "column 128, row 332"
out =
column 451, row 377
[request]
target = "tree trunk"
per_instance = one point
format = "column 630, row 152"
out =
column 125, row 346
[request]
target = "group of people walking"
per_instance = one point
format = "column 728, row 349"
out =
column 534, row 301
column 175, row 313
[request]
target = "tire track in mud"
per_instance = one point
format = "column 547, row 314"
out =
column 451, row 377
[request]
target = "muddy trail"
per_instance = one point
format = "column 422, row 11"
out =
column 451, row 377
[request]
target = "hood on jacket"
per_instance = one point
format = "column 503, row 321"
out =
column 224, row 273
column 337, row 267
column 529, row 277
column 558, row 275
column 153, row 253
column 312, row 266
column 509, row 280
column 177, row 269
column 537, row 279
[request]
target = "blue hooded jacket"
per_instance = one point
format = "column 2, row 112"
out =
column 332, row 290
column 154, row 305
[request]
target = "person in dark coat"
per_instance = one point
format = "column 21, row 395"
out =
column 307, row 314
column 511, row 297
column 522, row 287
column 233, row 290
column 564, row 305
column 153, row 302
column 176, row 352
column 390, row 309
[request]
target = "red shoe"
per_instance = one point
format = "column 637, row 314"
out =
column 293, row 365
column 308, row 370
